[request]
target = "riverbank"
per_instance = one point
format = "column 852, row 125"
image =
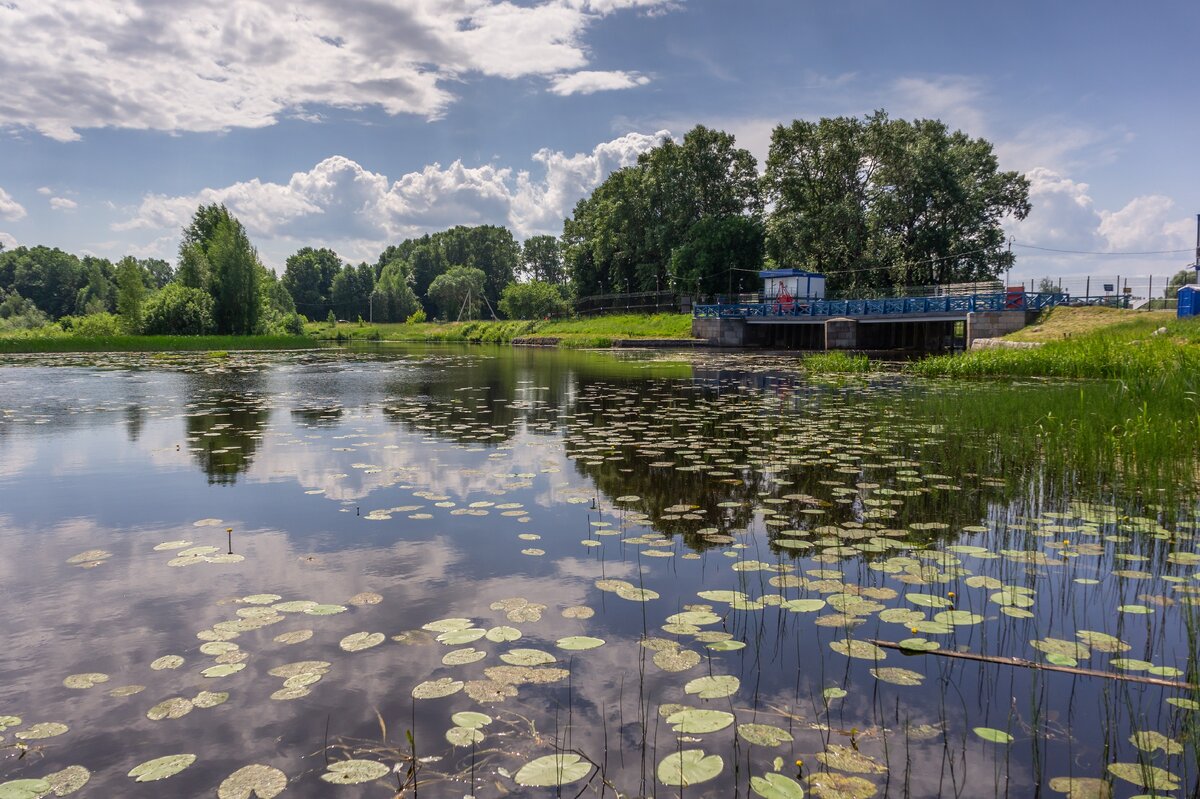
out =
column 585, row 332
column 14, row 343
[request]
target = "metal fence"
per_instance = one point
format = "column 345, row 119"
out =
column 640, row 302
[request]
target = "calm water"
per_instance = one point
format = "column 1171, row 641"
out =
column 574, row 500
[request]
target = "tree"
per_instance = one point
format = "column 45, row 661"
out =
column 534, row 300
column 194, row 270
column 458, row 293
column 877, row 204
column 1184, row 277
column 178, row 310
column 131, row 291
column 541, row 260
column 350, row 293
column 235, row 276
column 1047, row 286
column 47, row 277
column 393, row 299
column 277, row 312
column 308, row 276
column 157, row 271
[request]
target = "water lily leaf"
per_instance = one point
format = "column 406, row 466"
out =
column 300, row 667
column 776, row 786
column 24, row 789
column 166, row 662
column 1135, row 609
column 69, row 780
column 161, row 767
column 502, row 634
column 928, row 600
column 960, row 618
column 173, row 708
column 863, row 650
column 803, row 606
column 676, row 659
column 897, row 676
column 847, row 758
column 436, row 689
column 469, row 718
column 357, row 642
column 325, row 610
column 1149, row 741
column 559, row 769
column 579, row 642
column 919, row 645
column 365, row 598
column 257, row 780
column 461, row 657
column 464, row 736
column 1146, row 776
column 696, row 721
column 689, row 767
column 9, row 721
column 993, row 735
column 1102, row 642
column 726, row 646
column 1081, row 787
column 294, row 637
column 578, row 612
column 45, row 729
column 713, row 687
column 223, row 670
column 764, row 734
column 463, row 636
column 527, row 657
column 832, row 785
column 353, row 772
column 209, row 699
column 1179, row 702
column 83, row 681
column 834, row 693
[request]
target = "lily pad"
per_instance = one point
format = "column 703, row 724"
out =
column 713, row 687
column 464, row 736
column 356, row 642
column 689, row 767
column 353, row 772
column 764, row 734
column 551, row 770
column 831, row 785
column 83, row 681
column 676, row 659
column 776, row 786
column 436, row 689
column 45, row 729
column 69, row 780
column 173, row 708
column 24, row 789
column 697, row 721
column 1150, row 740
column 166, row 662
column 1081, row 787
column 847, row 758
column 257, row 780
column 223, row 670
column 527, row 657
column 853, row 648
column 1146, row 776
column 993, row 735
column 897, row 676
column 161, row 767
column 471, row 719
column 579, row 642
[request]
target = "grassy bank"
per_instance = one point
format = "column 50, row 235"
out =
column 22, row 343
column 1061, row 323
column 596, row 331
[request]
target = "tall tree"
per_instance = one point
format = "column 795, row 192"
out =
column 350, row 294
column 541, row 260
column 131, row 292
column 458, row 293
column 308, row 276
column 235, row 276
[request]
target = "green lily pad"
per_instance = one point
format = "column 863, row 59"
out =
column 959, row 618
column 356, row 642
column 853, row 648
column 834, row 692
column 551, row 770
column 897, row 676
column 697, row 721
column 1081, row 787
column 579, row 642
column 7, row 722
column 161, row 767
column 776, row 786
column 69, row 780
column 689, row 767
column 464, row 736
column 173, row 708
column 24, row 789
column 461, row 657
column 831, row 785
column 223, row 670
column 82, row 681
column 993, row 735
column 166, row 662
column 847, row 758
column 257, row 780
column 464, row 636
column 209, row 699
column 471, row 719
column 325, row 610
column 502, row 634
column 436, row 689
column 1146, row 776
column 1149, row 741
column 45, row 729
column 676, row 659
column 919, row 645
column 527, row 657
column 714, row 687
column 353, row 772
column 764, row 734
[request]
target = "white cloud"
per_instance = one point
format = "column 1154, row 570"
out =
column 7, row 240
column 589, row 82
column 953, row 99
column 343, row 204
column 45, row 191
column 10, row 209
column 196, row 66
column 63, row 204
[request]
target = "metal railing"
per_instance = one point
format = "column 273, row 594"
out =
column 884, row 306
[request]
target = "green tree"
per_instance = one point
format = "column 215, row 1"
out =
column 179, row 310
column 350, row 292
column 308, row 276
column 48, row 277
column 394, row 299
column 194, row 270
column 277, row 311
column 541, row 260
column 459, row 292
column 131, row 292
column 1184, row 277
column 534, row 300
column 235, row 276
column 157, row 271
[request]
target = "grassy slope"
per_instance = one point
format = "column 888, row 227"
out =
column 1060, row 323
column 597, row 331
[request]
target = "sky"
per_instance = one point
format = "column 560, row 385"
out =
column 354, row 125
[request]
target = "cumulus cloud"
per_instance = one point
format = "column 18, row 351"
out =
column 589, row 82
column 10, row 209
column 7, row 240
column 342, row 203
column 63, row 204
column 196, row 66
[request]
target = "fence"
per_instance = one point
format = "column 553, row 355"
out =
column 640, row 302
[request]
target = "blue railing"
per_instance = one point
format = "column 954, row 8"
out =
column 887, row 306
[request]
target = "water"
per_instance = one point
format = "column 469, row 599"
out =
column 499, row 486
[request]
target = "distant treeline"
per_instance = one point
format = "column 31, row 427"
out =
column 872, row 203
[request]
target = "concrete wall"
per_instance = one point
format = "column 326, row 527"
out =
column 841, row 334
column 994, row 324
column 726, row 332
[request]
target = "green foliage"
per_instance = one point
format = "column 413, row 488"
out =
column 1184, row 277
column 194, row 271
column 54, row 339
column 879, row 203
column 416, row 317
column 459, row 292
column 95, row 325
column 350, row 292
column 331, row 319
column 308, row 277
column 277, row 312
column 19, row 313
column 394, row 299
column 541, row 260
column 535, row 300
column 837, row 363
column 131, row 292
column 179, row 310
column 235, row 277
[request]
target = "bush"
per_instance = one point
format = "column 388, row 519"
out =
column 180, row 311
column 534, row 300
column 93, row 325
column 416, row 317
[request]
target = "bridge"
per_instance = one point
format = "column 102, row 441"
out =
column 921, row 323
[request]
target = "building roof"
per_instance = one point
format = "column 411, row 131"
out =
column 770, row 273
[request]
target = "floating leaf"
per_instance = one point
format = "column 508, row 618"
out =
column 223, row 670
column 551, row 770
column 461, row 657
column 831, row 785
column 993, row 735
column 897, row 676
column 1081, row 787
column 353, row 772
column 579, row 642
column 713, row 687
column 45, row 729
column 161, row 767
column 764, row 734
column 1146, row 776
column 356, row 642
column 503, row 634
column 863, row 650
column 689, row 767
column 776, row 786
column 167, row 662
column 676, row 659
column 847, row 758
column 9, row 721
column 365, row 598
column 469, row 718
column 67, row 781
column 527, row 657
column 1149, row 741
column 578, row 612
column 264, row 782
column 696, row 721
column 24, row 789
column 83, row 681
column 294, row 637
column 436, row 689
column 173, row 708
column 834, row 693
column 464, row 736
column 460, row 637
column 209, row 699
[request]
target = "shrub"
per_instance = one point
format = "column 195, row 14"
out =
column 180, row 311
column 416, row 317
column 533, row 300
column 93, row 325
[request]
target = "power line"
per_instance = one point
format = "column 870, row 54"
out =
column 1090, row 252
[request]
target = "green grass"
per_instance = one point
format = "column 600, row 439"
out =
column 21, row 343
column 837, row 363
column 594, row 331
column 1063, row 322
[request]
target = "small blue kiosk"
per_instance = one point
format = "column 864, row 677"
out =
column 1189, row 301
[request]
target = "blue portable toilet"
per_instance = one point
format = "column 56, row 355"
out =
column 1189, row 301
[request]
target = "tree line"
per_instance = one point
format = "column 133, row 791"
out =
column 874, row 203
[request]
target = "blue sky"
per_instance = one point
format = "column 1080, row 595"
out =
column 354, row 125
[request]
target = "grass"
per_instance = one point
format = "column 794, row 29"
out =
column 1060, row 323
column 24, row 343
column 837, row 363
column 594, row 331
